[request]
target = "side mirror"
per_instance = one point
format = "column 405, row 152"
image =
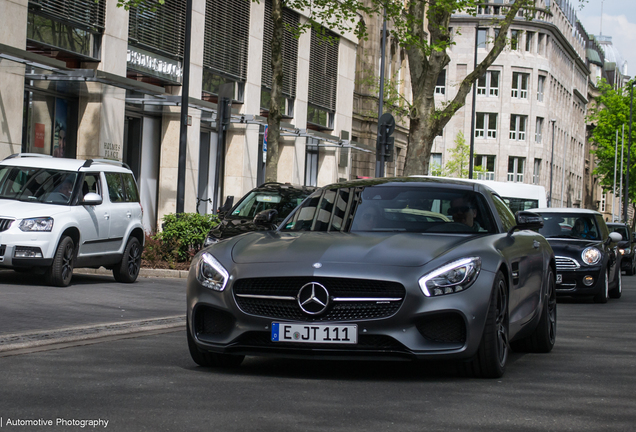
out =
column 92, row 198
column 265, row 218
column 615, row 237
column 528, row 220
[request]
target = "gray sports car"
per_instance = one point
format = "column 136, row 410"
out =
column 402, row 268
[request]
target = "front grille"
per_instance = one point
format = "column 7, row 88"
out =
column 445, row 328
column 365, row 343
column 348, row 298
column 5, row 224
column 210, row 321
column 565, row 263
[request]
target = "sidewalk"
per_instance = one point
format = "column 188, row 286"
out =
column 144, row 272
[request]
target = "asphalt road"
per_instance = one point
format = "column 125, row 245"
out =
column 149, row 383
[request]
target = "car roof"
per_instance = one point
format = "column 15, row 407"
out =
column 65, row 164
column 620, row 224
column 570, row 210
column 274, row 186
column 414, row 181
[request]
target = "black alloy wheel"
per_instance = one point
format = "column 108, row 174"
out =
column 127, row 270
column 61, row 271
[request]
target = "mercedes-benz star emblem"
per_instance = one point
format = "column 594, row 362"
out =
column 313, row 298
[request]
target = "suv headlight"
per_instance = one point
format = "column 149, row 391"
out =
column 36, row 224
column 451, row 278
column 591, row 256
column 210, row 273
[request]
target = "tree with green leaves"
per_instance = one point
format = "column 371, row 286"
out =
column 609, row 111
column 459, row 157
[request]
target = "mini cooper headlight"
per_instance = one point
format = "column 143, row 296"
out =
column 591, row 256
column 210, row 273
column 37, row 224
column 451, row 278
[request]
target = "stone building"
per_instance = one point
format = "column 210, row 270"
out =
column 87, row 79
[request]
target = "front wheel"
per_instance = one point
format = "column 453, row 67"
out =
column 492, row 355
column 128, row 269
column 61, row 271
column 603, row 294
column 617, row 292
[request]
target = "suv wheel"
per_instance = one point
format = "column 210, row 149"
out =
column 61, row 271
column 128, row 269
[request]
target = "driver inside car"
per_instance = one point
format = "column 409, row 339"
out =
column 463, row 210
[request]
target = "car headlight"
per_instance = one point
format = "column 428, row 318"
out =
column 625, row 251
column 451, row 278
column 37, row 224
column 591, row 256
column 210, row 273
column 622, row 251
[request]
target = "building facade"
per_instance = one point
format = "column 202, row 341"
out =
column 88, row 79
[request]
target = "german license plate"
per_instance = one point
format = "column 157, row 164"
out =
column 315, row 333
column 559, row 278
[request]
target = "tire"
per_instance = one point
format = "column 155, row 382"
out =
column 492, row 354
column 128, row 270
column 207, row 359
column 543, row 337
column 61, row 271
column 602, row 296
column 632, row 269
column 617, row 292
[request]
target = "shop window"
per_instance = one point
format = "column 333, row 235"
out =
column 311, row 162
column 50, row 123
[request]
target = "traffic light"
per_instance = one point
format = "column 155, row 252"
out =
column 386, row 142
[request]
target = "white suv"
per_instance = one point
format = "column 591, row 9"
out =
column 59, row 214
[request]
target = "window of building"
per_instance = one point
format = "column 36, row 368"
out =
column 435, row 164
column 540, row 87
column 540, row 44
column 311, row 162
column 290, row 59
column 488, row 84
column 440, row 87
column 518, row 127
column 539, row 130
column 323, row 79
column 225, row 45
column 486, row 125
column 603, row 202
column 485, row 167
column 516, row 166
column 481, row 38
column 529, row 41
column 520, row 85
column 536, row 174
column 514, row 39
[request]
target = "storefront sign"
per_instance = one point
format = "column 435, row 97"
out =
column 40, row 131
column 112, row 151
column 154, row 64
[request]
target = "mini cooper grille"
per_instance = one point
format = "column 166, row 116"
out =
column 341, row 289
column 446, row 328
column 565, row 263
column 210, row 321
column 365, row 343
column 5, row 224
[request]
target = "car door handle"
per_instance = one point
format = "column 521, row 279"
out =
column 106, row 216
column 128, row 214
column 535, row 244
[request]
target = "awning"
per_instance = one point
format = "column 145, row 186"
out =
column 31, row 59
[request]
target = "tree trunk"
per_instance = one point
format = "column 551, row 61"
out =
column 274, row 116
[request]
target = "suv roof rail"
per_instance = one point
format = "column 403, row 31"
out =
column 90, row 162
column 21, row 155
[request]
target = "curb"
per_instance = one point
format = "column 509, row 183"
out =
column 144, row 272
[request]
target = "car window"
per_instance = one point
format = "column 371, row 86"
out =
column 132, row 194
column 115, row 187
column 505, row 213
column 390, row 208
column 91, row 184
column 570, row 225
column 42, row 185
column 282, row 200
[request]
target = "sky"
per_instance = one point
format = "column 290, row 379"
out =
column 619, row 21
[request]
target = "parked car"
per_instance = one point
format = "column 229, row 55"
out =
column 625, row 247
column 261, row 209
column 357, row 272
column 60, row 214
column 586, row 253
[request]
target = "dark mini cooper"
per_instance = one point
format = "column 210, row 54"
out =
column 625, row 247
column 586, row 253
column 403, row 268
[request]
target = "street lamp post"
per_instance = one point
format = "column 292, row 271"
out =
column 551, row 163
column 629, row 151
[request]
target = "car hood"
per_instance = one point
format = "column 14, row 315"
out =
column 572, row 245
column 23, row 210
column 403, row 249
column 232, row 227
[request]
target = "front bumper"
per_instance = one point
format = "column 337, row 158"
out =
column 449, row 326
column 572, row 281
column 9, row 240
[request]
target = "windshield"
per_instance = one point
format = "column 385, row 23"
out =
column 564, row 225
column 390, row 208
column 42, row 185
column 520, row 204
column 284, row 201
